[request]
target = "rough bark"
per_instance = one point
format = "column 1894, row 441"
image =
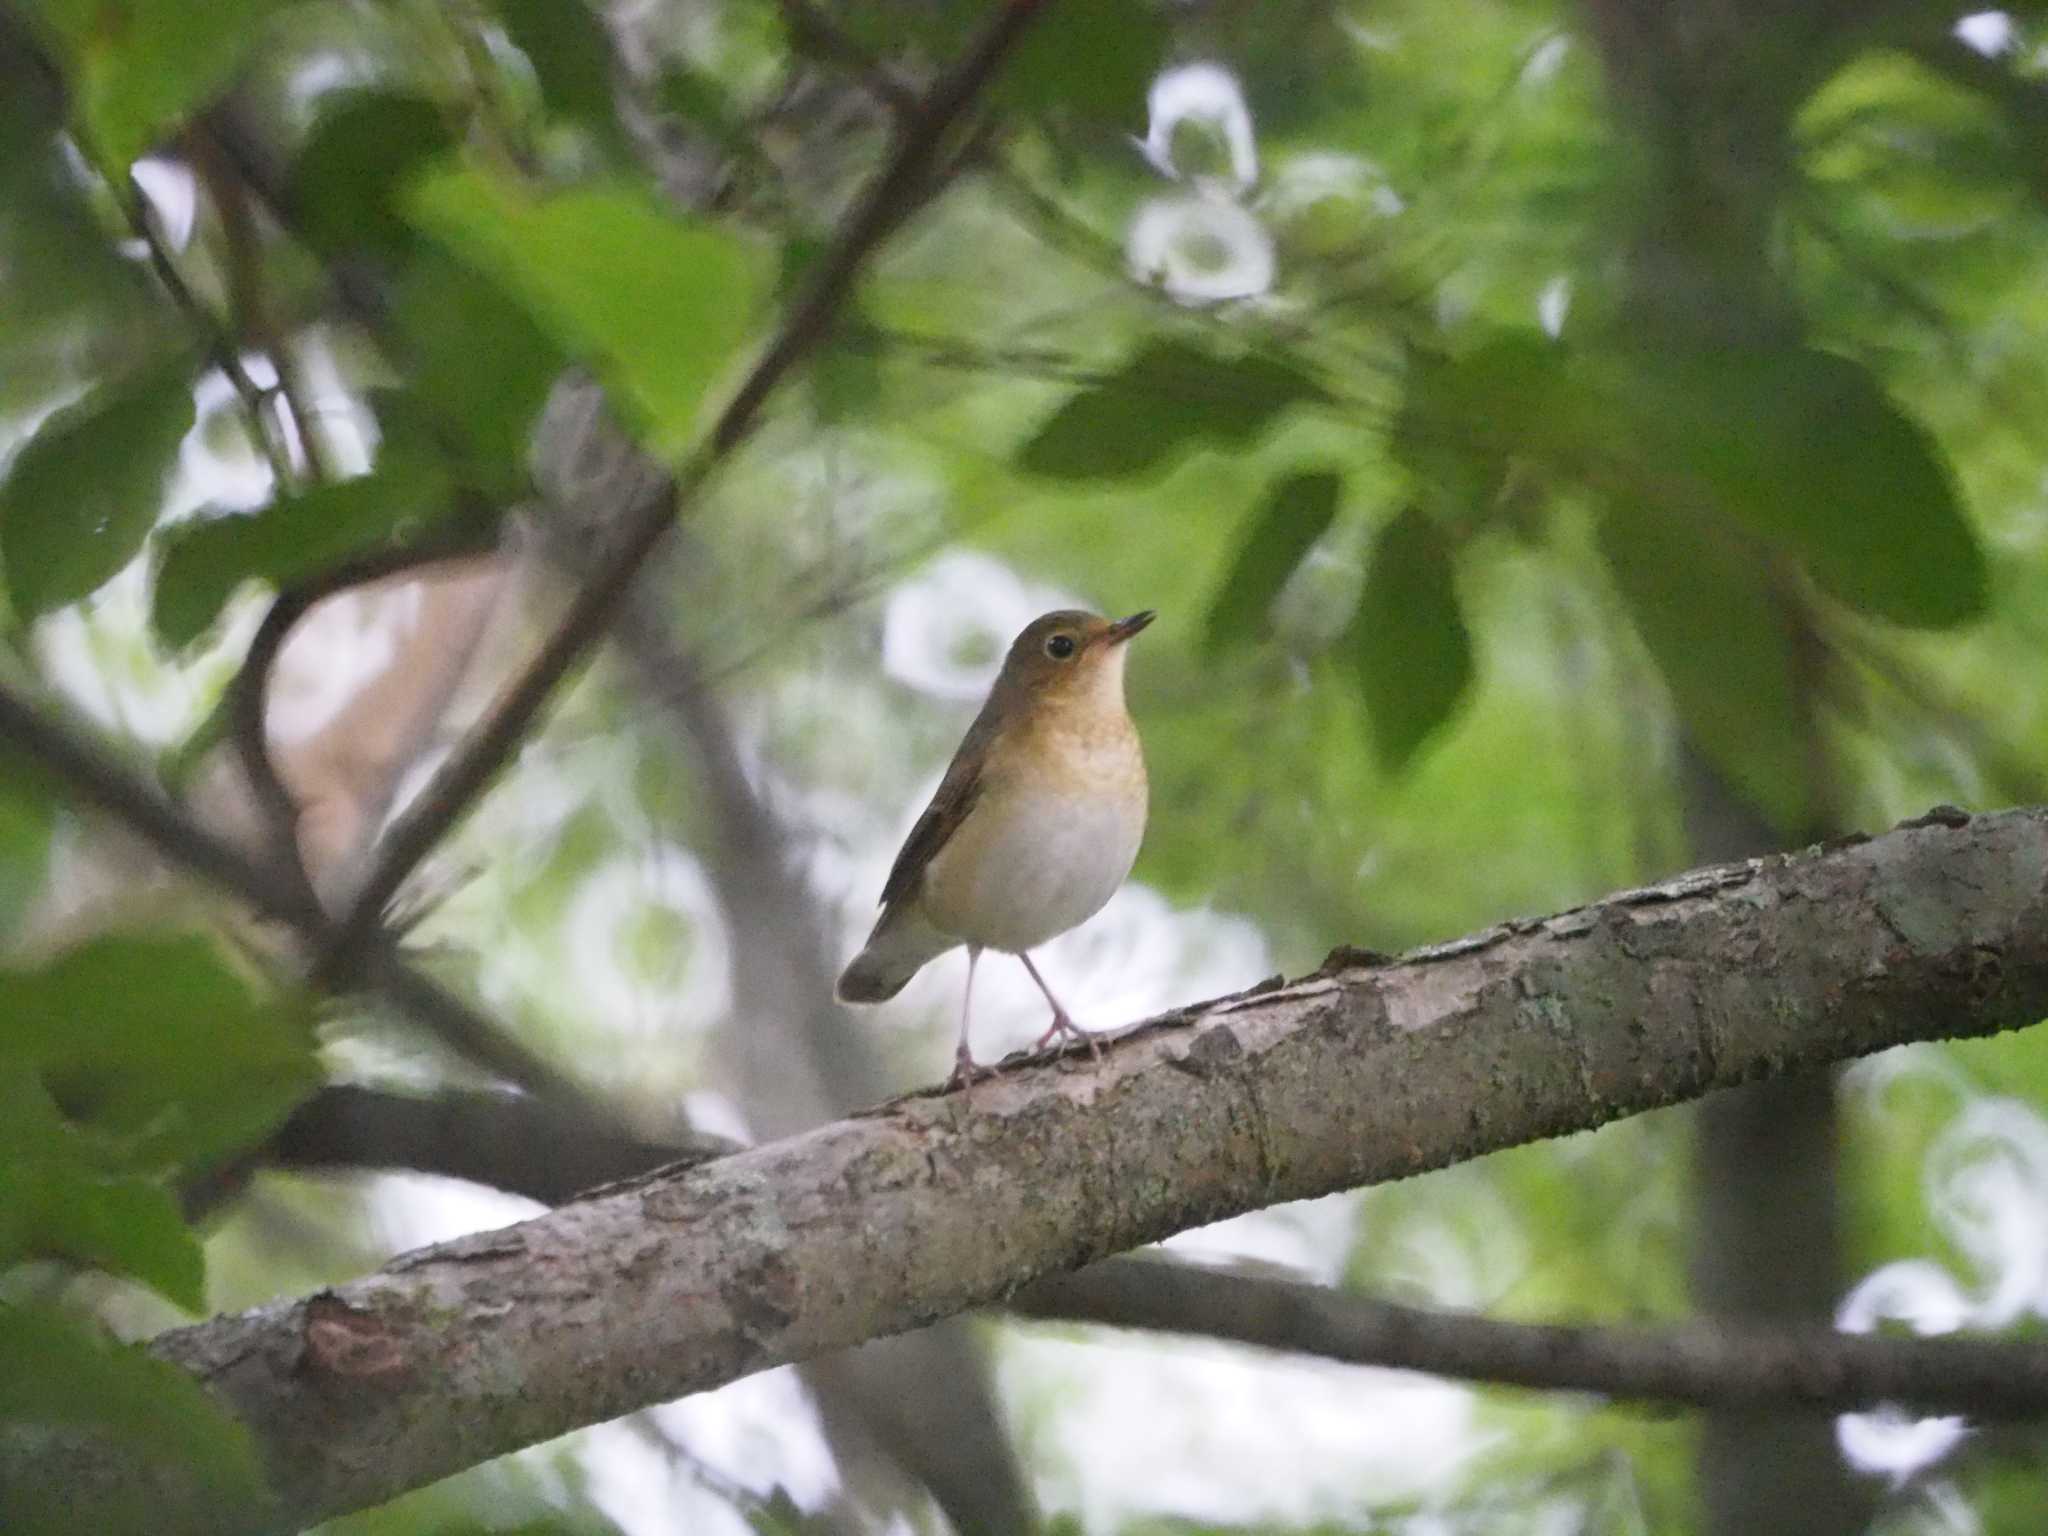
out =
column 495, row 1139
column 1368, row 1069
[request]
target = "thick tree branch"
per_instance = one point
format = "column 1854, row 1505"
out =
column 1707, row 1365
column 521, row 1146
column 1366, row 1070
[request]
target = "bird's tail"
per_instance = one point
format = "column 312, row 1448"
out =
column 897, row 950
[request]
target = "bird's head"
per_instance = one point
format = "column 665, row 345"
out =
column 1070, row 654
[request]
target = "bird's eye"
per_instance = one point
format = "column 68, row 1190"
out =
column 1060, row 647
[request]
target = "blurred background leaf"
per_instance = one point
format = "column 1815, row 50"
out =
column 1169, row 398
column 659, row 306
column 55, row 1372
column 83, row 493
column 1409, row 643
column 1295, row 514
column 205, row 560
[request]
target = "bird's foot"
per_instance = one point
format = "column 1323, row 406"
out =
column 1063, row 1027
column 966, row 1071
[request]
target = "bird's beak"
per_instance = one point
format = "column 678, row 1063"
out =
column 1123, row 629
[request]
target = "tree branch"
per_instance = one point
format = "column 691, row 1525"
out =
column 523, row 1147
column 1366, row 1070
column 818, row 32
column 516, row 1143
column 1705, row 1365
column 221, row 348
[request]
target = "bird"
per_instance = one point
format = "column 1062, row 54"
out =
column 1035, row 824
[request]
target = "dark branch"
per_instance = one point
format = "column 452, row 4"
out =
column 1706, row 1366
column 516, row 1143
column 249, row 694
column 815, row 31
column 86, row 774
column 220, row 346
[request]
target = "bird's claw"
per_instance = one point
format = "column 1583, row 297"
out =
column 1064, row 1027
column 966, row 1072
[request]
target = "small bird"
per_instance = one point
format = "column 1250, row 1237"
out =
column 1034, row 826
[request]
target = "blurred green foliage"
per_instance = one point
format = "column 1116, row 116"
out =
column 125, row 1063
column 656, row 307
column 82, row 495
column 1449, row 552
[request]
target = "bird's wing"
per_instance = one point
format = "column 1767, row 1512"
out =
column 951, row 802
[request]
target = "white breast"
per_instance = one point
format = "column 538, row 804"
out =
column 1029, row 868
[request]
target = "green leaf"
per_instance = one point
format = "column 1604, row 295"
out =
column 938, row 28
column 1097, row 59
column 1170, row 398
column 31, row 1125
column 55, row 1372
column 140, row 67
column 571, row 55
column 1464, row 419
column 59, row 274
column 28, row 818
column 1807, row 449
column 159, row 1040
column 205, row 560
column 1408, row 643
column 51, row 1209
column 85, row 490
column 656, row 306
column 1722, row 644
column 1297, row 511
column 480, row 363
column 348, row 179
column 845, row 383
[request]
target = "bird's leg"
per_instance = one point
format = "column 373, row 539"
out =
column 965, row 1068
column 1062, row 1023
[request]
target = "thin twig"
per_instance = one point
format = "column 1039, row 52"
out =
column 810, row 26
column 88, row 774
column 220, row 347
column 245, row 288
column 964, row 355
column 2013, row 772
column 887, row 201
